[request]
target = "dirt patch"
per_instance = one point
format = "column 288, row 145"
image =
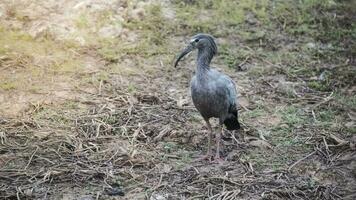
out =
column 138, row 146
column 46, row 49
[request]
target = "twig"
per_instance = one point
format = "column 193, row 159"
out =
column 326, row 144
column 233, row 137
column 300, row 160
column 100, row 86
column 244, row 107
column 313, row 113
column 199, row 196
column 327, row 99
column 29, row 161
column 97, row 195
column 244, row 61
column 159, row 183
column 18, row 193
column 225, row 180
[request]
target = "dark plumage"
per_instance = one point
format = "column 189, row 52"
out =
column 232, row 122
column 213, row 93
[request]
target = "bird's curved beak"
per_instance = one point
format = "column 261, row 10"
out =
column 188, row 49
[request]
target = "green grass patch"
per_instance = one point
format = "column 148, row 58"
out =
column 317, row 18
column 218, row 16
column 155, row 28
column 233, row 56
column 349, row 102
column 23, row 49
column 57, row 116
column 82, row 21
column 293, row 116
column 8, row 85
column 319, row 85
column 154, row 35
column 255, row 113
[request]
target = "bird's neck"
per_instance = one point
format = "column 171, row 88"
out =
column 203, row 61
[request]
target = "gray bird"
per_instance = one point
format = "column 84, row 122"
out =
column 213, row 93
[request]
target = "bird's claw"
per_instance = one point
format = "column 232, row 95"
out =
column 207, row 157
column 211, row 158
column 218, row 160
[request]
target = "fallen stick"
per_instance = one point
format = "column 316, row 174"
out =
column 300, row 160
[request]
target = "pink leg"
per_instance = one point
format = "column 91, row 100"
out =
column 210, row 137
column 218, row 137
column 208, row 154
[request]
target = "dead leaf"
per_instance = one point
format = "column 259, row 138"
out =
column 244, row 102
column 166, row 168
column 182, row 102
column 261, row 144
column 158, row 197
column 350, row 124
column 162, row 133
column 136, row 132
column 352, row 115
column 337, row 140
column 274, row 120
column 284, row 126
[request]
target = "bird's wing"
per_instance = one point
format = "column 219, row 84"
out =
column 229, row 86
column 232, row 91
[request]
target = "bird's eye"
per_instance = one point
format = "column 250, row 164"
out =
column 196, row 40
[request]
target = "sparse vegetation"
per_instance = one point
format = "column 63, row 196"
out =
column 103, row 106
column 8, row 85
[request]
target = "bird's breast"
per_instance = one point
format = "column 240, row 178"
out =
column 208, row 101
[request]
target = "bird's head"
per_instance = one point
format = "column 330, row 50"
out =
column 201, row 42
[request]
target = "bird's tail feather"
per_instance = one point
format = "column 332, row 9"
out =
column 232, row 122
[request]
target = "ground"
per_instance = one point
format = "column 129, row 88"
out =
column 92, row 108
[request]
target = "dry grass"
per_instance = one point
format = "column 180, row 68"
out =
column 129, row 130
column 138, row 144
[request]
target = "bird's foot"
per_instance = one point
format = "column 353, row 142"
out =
column 208, row 157
column 218, row 159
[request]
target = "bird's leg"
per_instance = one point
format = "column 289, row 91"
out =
column 208, row 155
column 217, row 138
column 210, row 130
